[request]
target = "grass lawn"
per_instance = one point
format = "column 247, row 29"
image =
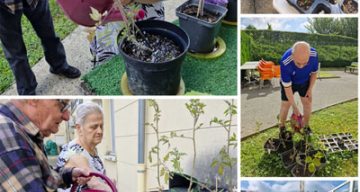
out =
column 339, row 118
column 327, row 75
column 63, row 27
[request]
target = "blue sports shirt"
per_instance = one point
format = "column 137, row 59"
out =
column 291, row 74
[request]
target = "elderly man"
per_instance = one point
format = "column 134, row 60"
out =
column 23, row 162
column 299, row 66
column 38, row 13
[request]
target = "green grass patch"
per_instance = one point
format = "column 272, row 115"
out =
column 63, row 27
column 326, row 75
column 215, row 76
column 335, row 119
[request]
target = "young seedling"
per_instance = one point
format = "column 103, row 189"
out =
column 224, row 159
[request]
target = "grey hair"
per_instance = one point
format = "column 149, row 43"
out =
column 299, row 43
column 85, row 109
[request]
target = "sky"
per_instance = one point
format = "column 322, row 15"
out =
column 277, row 24
column 288, row 186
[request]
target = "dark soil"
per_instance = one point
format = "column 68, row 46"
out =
column 305, row 4
column 156, row 49
column 288, row 158
column 350, row 6
column 333, row 1
column 207, row 16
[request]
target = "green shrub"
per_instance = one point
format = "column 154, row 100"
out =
column 245, row 47
column 333, row 50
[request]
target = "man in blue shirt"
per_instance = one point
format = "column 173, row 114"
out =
column 11, row 37
column 299, row 66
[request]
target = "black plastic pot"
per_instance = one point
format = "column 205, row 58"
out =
column 317, row 7
column 285, row 146
column 231, row 15
column 298, row 171
column 201, row 33
column 272, row 145
column 288, row 158
column 156, row 78
column 344, row 11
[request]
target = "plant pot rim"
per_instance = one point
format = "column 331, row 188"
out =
column 221, row 10
column 183, row 53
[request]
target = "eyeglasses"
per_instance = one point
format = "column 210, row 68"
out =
column 65, row 105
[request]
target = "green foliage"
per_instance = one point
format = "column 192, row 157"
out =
column 336, row 26
column 333, row 50
column 63, row 27
column 339, row 118
column 245, row 47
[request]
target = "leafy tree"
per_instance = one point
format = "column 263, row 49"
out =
column 250, row 27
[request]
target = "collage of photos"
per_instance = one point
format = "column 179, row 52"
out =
column 179, row 95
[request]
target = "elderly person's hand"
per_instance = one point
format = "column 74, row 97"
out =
column 79, row 175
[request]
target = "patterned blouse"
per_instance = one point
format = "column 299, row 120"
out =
column 104, row 46
column 95, row 163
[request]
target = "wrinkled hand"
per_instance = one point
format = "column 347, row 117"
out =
column 79, row 176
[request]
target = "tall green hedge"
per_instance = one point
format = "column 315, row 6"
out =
column 334, row 51
column 245, row 47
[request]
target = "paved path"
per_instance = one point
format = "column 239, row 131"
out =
column 261, row 107
column 257, row 6
column 78, row 54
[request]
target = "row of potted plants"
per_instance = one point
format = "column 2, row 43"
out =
column 300, row 157
column 326, row 6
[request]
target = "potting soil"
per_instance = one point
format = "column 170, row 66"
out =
column 154, row 49
column 306, row 4
column 211, row 76
column 207, row 16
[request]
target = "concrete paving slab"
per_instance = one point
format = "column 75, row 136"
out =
column 259, row 108
column 257, row 6
column 78, row 54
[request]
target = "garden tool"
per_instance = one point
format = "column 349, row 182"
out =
column 296, row 122
column 103, row 177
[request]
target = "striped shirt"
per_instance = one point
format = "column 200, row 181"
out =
column 23, row 162
column 291, row 74
column 15, row 5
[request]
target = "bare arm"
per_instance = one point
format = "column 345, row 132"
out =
column 81, row 162
column 290, row 96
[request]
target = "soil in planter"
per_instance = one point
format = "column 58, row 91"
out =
column 161, row 48
column 350, row 6
column 305, row 4
column 207, row 16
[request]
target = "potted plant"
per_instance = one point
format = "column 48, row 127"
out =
column 202, row 22
column 153, row 52
column 349, row 6
column 231, row 15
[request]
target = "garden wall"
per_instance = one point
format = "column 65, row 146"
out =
column 333, row 50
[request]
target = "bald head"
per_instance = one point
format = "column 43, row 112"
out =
column 301, row 53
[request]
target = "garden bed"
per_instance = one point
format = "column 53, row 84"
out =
column 63, row 27
column 335, row 119
column 214, row 76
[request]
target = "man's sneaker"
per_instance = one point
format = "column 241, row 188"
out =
column 69, row 72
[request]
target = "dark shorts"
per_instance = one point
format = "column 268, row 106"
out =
column 300, row 88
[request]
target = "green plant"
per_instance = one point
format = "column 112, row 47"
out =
column 174, row 155
column 312, row 163
column 224, row 158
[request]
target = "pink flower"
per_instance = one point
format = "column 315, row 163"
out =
column 140, row 15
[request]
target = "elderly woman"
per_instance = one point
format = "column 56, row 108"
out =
column 81, row 152
column 104, row 45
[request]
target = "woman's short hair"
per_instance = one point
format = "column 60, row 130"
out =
column 85, row 109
